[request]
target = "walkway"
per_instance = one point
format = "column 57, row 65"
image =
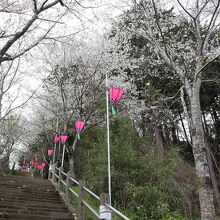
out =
column 25, row 197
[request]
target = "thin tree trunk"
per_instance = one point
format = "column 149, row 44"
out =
column 184, row 129
column 159, row 142
column 165, row 133
column 214, row 180
column 205, row 124
column 211, row 168
column 71, row 165
column 71, row 157
column 174, row 136
column 199, row 152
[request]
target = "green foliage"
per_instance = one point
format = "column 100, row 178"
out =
column 143, row 187
column 7, row 171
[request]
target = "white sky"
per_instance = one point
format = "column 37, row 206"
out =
column 94, row 21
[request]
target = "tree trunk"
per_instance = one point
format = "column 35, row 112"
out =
column 174, row 136
column 205, row 124
column 210, row 158
column 159, row 141
column 214, row 180
column 71, row 157
column 199, row 152
column 217, row 125
column 71, row 165
column 184, row 129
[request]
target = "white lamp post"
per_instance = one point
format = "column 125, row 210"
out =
column 108, row 141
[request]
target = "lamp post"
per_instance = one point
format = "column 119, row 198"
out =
column 115, row 96
column 64, row 146
column 63, row 141
column 108, row 141
column 56, row 139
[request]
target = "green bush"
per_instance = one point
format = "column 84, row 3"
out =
column 143, row 186
column 7, row 171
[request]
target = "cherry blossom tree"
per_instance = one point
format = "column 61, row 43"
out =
column 186, row 44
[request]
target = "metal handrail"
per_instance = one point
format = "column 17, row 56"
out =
column 91, row 193
column 63, row 182
column 74, row 181
column 63, row 173
column 91, row 209
column 115, row 211
column 73, row 192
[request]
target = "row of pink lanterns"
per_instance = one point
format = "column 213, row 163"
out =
column 115, row 96
column 35, row 162
column 63, row 139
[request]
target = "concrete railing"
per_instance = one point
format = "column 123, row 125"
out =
column 64, row 182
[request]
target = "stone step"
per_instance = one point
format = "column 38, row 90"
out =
column 9, row 193
column 27, row 206
column 29, row 197
column 37, row 202
column 37, row 212
column 24, row 197
column 47, row 192
column 29, row 200
column 27, row 185
column 33, row 217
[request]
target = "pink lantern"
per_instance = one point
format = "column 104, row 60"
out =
column 56, row 139
column 31, row 162
column 79, row 127
column 115, row 96
column 40, row 167
column 63, row 139
column 50, row 152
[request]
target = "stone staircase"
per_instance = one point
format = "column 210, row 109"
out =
column 27, row 198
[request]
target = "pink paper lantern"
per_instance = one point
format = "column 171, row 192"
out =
column 56, row 139
column 50, row 152
column 40, row 167
column 115, row 96
column 79, row 127
column 63, row 139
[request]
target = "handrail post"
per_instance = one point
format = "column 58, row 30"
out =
column 104, row 212
column 50, row 173
column 13, row 169
column 80, row 213
column 67, row 196
column 54, row 172
column 60, row 177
